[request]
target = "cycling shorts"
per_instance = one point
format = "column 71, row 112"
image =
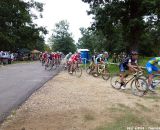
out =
column 123, row 67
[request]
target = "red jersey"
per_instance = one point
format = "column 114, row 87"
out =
column 53, row 56
column 44, row 55
column 56, row 56
column 75, row 57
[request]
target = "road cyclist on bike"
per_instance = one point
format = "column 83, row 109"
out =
column 129, row 64
column 152, row 66
column 66, row 59
column 93, row 61
column 74, row 60
column 102, row 58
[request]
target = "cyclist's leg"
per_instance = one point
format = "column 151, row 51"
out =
column 71, row 67
column 122, row 72
column 150, row 68
column 96, row 65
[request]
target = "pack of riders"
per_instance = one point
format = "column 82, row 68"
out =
column 127, row 63
column 55, row 56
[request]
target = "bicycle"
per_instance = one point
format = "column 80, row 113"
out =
column 90, row 68
column 76, row 69
column 155, row 82
column 103, row 71
column 43, row 62
column 50, row 65
column 138, row 83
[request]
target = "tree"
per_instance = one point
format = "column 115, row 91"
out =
column 91, row 40
column 47, row 48
column 17, row 29
column 61, row 40
column 130, row 18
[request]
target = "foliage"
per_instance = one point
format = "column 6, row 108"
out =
column 61, row 40
column 17, row 29
column 128, row 24
column 47, row 48
column 95, row 41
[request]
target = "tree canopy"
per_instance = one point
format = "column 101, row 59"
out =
column 128, row 24
column 17, row 29
column 61, row 40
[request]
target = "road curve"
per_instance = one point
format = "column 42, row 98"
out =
column 18, row 82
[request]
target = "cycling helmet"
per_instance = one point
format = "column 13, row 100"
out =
column 134, row 53
column 105, row 52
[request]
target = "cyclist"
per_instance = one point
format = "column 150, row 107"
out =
column 66, row 59
column 93, row 61
column 40, row 56
column 56, row 58
column 129, row 64
column 74, row 60
column 44, row 56
column 101, row 58
column 49, row 58
column 152, row 66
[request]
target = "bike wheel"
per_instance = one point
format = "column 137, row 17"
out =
column 89, row 70
column 78, row 72
column 43, row 62
column 115, row 82
column 69, row 67
column 105, row 74
column 139, row 86
column 48, row 66
column 54, row 67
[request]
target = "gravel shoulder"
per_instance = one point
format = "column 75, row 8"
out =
column 70, row 103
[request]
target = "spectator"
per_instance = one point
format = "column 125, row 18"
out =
column 0, row 57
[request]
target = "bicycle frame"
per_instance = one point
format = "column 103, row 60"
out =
column 133, row 77
column 103, row 68
column 75, row 66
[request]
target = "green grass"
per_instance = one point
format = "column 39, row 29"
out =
column 128, row 118
column 143, row 60
column 113, row 68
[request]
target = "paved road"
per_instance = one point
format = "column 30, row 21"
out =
column 18, row 82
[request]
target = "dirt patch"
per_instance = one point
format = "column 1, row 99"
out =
column 70, row 103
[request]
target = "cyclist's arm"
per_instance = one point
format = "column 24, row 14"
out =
column 134, row 67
